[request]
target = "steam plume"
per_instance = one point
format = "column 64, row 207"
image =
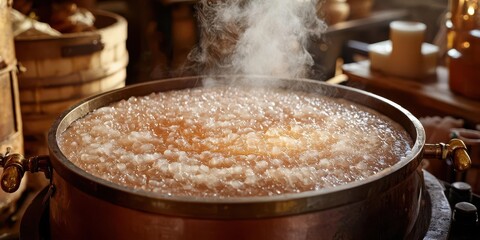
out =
column 264, row 37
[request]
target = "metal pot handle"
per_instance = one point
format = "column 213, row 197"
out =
column 15, row 165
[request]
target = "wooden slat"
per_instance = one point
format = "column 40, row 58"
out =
column 60, row 99
column 10, row 118
column 7, row 119
column 11, row 135
column 79, row 77
column 7, row 52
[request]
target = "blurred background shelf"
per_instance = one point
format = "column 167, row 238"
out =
column 370, row 29
column 422, row 97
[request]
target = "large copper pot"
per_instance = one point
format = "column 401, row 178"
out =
column 383, row 206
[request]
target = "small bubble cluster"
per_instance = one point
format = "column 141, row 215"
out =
column 233, row 142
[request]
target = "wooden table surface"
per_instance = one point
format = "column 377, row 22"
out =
column 423, row 97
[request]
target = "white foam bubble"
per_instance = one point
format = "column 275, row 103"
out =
column 291, row 142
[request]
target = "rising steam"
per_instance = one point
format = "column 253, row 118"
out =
column 262, row 37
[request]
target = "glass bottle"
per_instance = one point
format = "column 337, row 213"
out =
column 464, row 222
column 459, row 192
column 463, row 41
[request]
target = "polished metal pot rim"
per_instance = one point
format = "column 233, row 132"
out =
column 239, row 207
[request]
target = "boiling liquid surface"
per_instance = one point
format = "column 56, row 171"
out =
column 233, row 142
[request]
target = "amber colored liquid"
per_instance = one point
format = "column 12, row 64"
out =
column 231, row 142
column 464, row 63
column 463, row 40
column 464, row 75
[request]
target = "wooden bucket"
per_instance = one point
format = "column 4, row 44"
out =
column 10, row 118
column 61, row 71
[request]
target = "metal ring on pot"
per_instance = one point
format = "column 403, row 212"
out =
column 270, row 206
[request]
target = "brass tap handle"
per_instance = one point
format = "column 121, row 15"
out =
column 13, row 172
column 11, row 179
column 456, row 150
column 15, row 165
column 461, row 159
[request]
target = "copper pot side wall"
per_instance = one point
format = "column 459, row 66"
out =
column 391, row 215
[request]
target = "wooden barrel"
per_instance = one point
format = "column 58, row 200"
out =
column 10, row 118
column 61, row 71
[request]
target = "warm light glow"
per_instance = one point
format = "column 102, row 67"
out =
column 471, row 10
column 465, row 44
column 472, row 6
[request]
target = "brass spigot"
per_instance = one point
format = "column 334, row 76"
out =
column 455, row 150
column 15, row 165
